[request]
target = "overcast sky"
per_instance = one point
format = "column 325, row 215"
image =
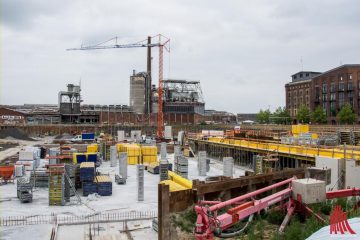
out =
column 242, row 52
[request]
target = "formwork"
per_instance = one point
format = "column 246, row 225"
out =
column 56, row 185
column 104, row 185
column 89, row 188
column 87, row 171
column 181, row 166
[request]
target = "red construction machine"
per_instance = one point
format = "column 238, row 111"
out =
column 210, row 223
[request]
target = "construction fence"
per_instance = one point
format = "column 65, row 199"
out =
column 73, row 220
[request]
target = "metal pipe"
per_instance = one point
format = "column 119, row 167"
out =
column 248, row 195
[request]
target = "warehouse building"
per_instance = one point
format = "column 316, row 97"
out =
column 331, row 90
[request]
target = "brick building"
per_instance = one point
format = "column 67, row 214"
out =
column 299, row 91
column 11, row 117
column 336, row 87
column 331, row 90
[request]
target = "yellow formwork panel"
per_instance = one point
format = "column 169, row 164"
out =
column 186, row 183
column 149, row 159
column 92, row 148
column 173, row 186
column 149, row 150
column 303, row 151
column 133, row 160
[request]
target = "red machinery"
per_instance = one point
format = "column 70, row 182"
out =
column 210, row 224
column 6, row 173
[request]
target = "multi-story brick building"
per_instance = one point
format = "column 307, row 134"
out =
column 299, row 91
column 336, row 87
column 331, row 90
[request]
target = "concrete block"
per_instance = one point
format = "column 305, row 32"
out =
column 323, row 174
column 311, row 190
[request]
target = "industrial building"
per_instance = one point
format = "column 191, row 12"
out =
column 331, row 90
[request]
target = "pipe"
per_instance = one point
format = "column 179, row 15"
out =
column 248, row 195
column 233, row 234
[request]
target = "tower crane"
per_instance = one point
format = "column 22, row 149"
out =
column 162, row 42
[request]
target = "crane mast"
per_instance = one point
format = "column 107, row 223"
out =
column 162, row 43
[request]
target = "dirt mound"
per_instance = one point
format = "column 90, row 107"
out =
column 14, row 133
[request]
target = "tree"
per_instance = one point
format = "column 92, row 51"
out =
column 303, row 115
column 281, row 116
column 263, row 116
column 319, row 115
column 346, row 115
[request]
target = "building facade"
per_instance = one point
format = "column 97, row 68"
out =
column 336, row 87
column 299, row 91
column 330, row 90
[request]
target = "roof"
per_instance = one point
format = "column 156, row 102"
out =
column 298, row 82
column 305, row 72
column 339, row 67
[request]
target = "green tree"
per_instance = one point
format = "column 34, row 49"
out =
column 346, row 115
column 303, row 115
column 263, row 116
column 281, row 116
column 319, row 115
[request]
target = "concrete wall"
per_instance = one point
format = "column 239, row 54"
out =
column 336, row 167
column 352, row 178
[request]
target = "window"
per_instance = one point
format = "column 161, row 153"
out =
column 341, row 99
column 307, row 74
column 317, row 94
column 324, row 97
column 350, row 76
column 333, row 97
column 324, row 88
column 350, row 86
column 333, row 109
column 301, row 75
column 333, row 87
column 341, row 86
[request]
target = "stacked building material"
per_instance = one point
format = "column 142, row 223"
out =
column 104, row 185
column 40, row 177
column 149, row 154
column 133, row 151
column 89, row 188
column 24, row 190
column 346, row 137
column 153, row 168
column 19, row 170
column 79, row 158
column 140, row 182
column 163, row 168
column 181, row 166
column 92, row 157
column 56, row 185
column 92, row 148
column 87, row 171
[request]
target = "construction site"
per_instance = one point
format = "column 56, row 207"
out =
column 164, row 167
